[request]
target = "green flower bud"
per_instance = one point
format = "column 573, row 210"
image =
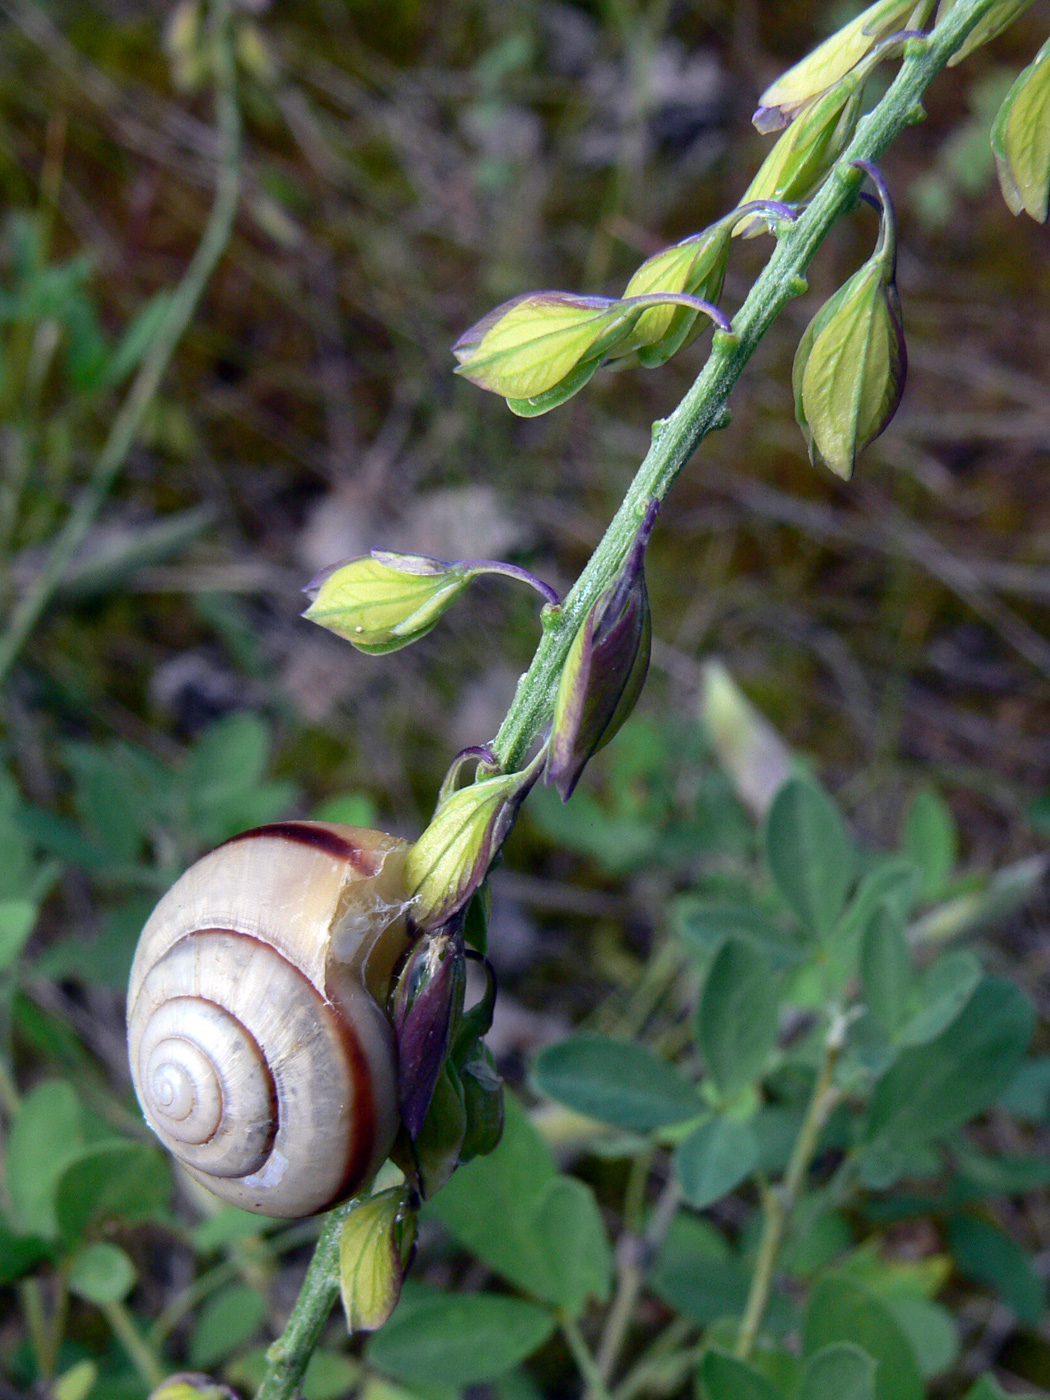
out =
column 604, row 671
column 851, row 362
column 531, row 345
column 993, row 22
column 375, row 1248
column 696, row 266
column 451, row 858
column 1021, row 140
column 540, row 349
column 808, row 149
column 833, row 59
column 383, row 601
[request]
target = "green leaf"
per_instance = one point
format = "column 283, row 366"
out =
column 840, row 1371
column 228, row 1320
column 703, row 925
column 986, row 1387
column 737, row 1017
column 697, row 1273
column 569, row 1226
column 457, row 1338
column 725, row 1378
column 19, row 1254
column 840, row 1310
column 931, row 1329
column 130, row 1181
column 228, row 1225
column 885, row 967
column 1028, row 1094
column 715, row 1158
column 809, row 855
column 988, row 1255
column 931, row 839
column 329, row 1375
column 17, row 917
column 616, row 1082
column 944, row 989
column 936, row 1087
column 499, row 1206
column 46, row 1135
column 102, row 1273
column 77, row 1383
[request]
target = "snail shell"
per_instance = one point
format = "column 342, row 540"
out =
column 259, row 1050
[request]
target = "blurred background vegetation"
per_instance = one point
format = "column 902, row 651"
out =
column 407, row 166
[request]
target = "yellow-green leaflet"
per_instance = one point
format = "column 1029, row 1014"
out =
column 378, row 608
column 848, row 372
column 998, row 18
column 376, row 1238
column 534, row 342
column 1021, row 140
column 833, row 59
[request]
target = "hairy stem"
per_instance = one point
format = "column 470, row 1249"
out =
column 779, row 1202
column 704, row 407
column 180, row 312
column 674, row 440
column 288, row 1357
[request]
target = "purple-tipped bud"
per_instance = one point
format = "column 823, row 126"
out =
column 428, row 996
column 605, row 669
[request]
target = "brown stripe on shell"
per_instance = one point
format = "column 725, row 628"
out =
column 363, row 1140
column 317, row 836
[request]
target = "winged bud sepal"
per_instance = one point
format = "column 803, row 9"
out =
column 383, row 600
column 1021, row 140
column 375, row 1249
column 604, row 671
column 851, row 362
column 833, row 59
column 451, row 858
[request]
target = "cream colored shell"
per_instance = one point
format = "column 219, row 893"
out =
column 259, row 1050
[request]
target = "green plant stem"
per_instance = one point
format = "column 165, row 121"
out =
column 288, row 1357
column 180, row 312
column 779, row 1202
column 596, row 1388
column 674, row 440
column 704, row 407
column 145, row 1360
column 633, row 1253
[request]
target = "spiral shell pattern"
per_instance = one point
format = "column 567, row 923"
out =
column 258, row 1048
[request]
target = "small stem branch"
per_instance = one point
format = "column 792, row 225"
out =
column 288, row 1357
column 633, row 1253
column 704, row 407
column 779, row 1202
column 146, row 1362
column 585, row 1362
column 181, row 310
column 498, row 566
